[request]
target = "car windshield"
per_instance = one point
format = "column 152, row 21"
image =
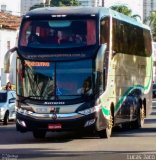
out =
column 49, row 80
column 58, row 33
column 3, row 97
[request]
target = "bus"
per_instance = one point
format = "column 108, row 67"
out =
column 81, row 68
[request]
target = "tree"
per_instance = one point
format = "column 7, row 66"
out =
column 125, row 10
column 57, row 3
column 151, row 21
column 37, row 6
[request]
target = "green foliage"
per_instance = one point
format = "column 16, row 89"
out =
column 122, row 9
column 125, row 10
column 37, row 6
column 58, row 3
column 151, row 21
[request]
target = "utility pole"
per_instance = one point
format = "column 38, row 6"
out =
column 103, row 3
column 44, row 2
column 48, row 2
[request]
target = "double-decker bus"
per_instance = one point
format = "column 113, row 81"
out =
column 81, row 68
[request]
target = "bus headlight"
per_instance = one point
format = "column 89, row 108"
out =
column 24, row 111
column 87, row 111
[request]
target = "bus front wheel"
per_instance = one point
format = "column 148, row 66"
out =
column 39, row 134
column 106, row 133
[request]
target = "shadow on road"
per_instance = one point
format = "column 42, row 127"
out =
column 72, row 155
column 9, row 135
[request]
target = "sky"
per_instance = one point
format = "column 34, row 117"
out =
column 134, row 5
column 12, row 5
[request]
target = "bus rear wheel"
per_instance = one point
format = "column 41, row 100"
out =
column 38, row 134
column 140, row 119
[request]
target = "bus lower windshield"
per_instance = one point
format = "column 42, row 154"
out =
column 58, row 33
column 51, row 80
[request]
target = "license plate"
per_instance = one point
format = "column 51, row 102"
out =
column 54, row 126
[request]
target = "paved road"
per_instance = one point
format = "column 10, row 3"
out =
column 123, row 145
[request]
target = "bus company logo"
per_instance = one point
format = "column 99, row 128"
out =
column 54, row 103
column 37, row 64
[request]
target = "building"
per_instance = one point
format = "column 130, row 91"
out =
column 26, row 4
column 10, row 7
column 93, row 3
column 19, row 7
column 148, row 7
column 9, row 25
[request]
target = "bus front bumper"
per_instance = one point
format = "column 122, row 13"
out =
column 54, row 122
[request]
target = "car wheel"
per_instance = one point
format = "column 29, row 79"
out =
column 6, row 118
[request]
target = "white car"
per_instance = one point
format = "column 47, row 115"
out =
column 7, row 106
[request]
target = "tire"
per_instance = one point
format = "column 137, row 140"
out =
column 6, row 118
column 106, row 133
column 38, row 134
column 140, row 119
column 126, row 126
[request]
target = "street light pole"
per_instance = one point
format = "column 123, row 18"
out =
column 47, row 2
column 44, row 3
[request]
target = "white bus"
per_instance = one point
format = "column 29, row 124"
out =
column 82, row 68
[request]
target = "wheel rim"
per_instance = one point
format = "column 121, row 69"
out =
column 109, row 126
column 142, row 116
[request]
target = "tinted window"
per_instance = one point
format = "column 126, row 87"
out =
column 72, row 75
column 131, row 39
column 50, row 80
column 3, row 97
column 104, row 31
column 58, row 33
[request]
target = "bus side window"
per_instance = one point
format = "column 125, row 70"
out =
column 104, row 31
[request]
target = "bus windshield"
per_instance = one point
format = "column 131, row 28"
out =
column 58, row 33
column 51, row 80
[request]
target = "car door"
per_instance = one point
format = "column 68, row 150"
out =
column 11, row 105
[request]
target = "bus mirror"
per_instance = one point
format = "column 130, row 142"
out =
column 7, row 60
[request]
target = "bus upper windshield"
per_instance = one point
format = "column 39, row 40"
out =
column 58, row 33
column 48, row 80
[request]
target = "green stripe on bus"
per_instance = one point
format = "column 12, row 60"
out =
column 105, row 111
column 129, row 90
column 122, row 99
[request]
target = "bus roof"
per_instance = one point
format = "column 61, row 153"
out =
column 84, row 11
column 64, row 10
